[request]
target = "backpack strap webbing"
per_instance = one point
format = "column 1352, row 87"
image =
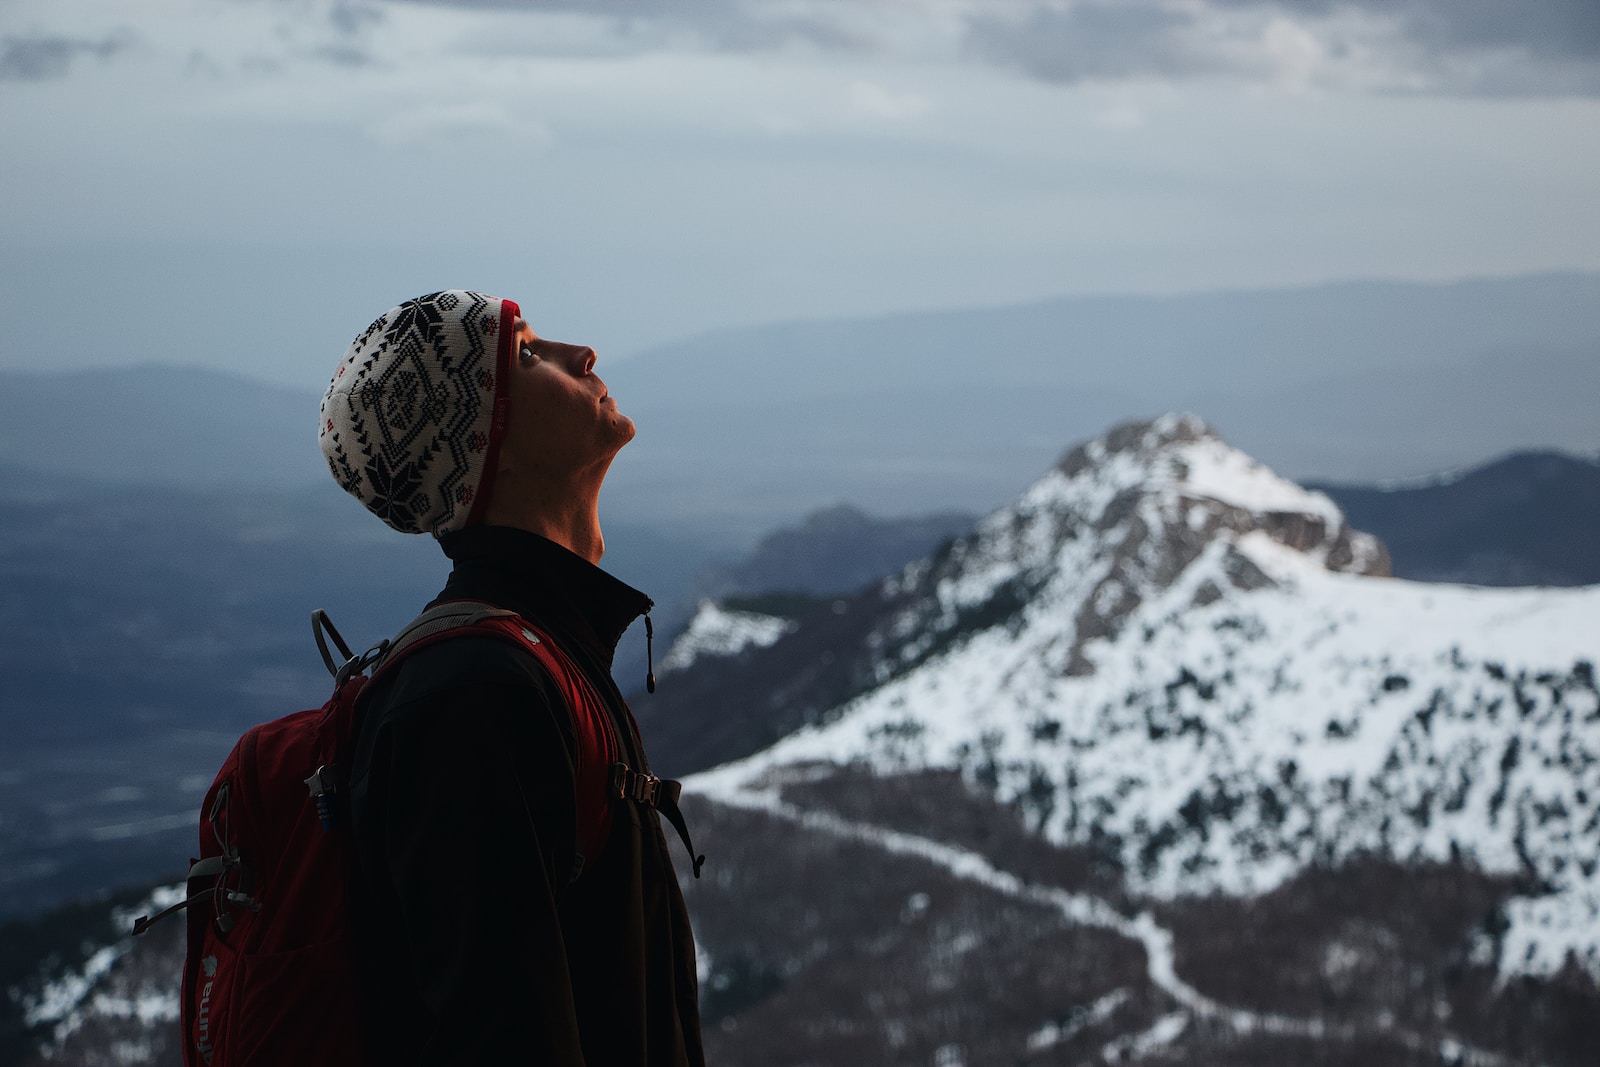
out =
column 430, row 624
column 452, row 615
column 661, row 794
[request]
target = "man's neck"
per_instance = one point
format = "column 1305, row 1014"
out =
column 578, row 534
column 573, row 522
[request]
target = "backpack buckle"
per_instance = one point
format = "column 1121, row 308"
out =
column 629, row 784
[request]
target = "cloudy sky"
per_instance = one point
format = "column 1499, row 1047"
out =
column 246, row 183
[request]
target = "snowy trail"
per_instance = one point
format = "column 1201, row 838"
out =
column 1087, row 910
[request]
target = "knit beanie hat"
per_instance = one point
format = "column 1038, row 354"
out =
column 412, row 421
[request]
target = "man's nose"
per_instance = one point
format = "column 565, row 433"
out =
column 579, row 359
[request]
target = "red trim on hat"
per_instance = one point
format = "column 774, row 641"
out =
column 501, row 415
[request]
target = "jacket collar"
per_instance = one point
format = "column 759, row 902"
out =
column 549, row 585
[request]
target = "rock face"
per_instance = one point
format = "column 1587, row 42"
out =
column 1121, row 518
column 1167, row 653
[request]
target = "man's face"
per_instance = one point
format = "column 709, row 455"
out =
column 562, row 419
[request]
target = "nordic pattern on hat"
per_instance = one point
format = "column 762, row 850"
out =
column 408, row 424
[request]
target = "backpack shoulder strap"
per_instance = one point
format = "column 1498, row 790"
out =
column 598, row 747
column 621, row 782
column 603, row 776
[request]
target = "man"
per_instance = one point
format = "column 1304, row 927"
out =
column 486, row 934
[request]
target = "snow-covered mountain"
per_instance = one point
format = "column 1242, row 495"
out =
column 718, row 631
column 1165, row 650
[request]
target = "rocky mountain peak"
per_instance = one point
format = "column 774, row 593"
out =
column 1120, row 517
column 1184, row 465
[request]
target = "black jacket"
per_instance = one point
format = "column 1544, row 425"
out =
column 475, row 945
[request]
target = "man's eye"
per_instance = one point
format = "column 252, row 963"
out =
column 526, row 354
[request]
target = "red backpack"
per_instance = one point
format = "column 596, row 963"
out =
column 270, row 977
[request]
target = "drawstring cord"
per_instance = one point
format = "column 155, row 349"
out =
column 649, row 654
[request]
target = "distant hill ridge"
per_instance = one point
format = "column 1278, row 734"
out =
column 1530, row 518
column 185, row 427
column 744, row 430
column 1352, row 381
column 835, row 550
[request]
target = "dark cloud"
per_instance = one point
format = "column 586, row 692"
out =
column 1456, row 46
column 38, row 58
column 1514, row 47
column 728, row 25
column 1550, row 28
column 351, row 18
column 346, row 46
column 1452, row 46
column 1090, row 41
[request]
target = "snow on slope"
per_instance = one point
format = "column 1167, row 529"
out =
column 1167, row 650
column 101, row 992
column 716, row 631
